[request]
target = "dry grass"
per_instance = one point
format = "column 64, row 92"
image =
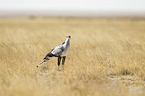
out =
column 100, row 48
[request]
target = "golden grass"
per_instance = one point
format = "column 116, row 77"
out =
column 100, row 48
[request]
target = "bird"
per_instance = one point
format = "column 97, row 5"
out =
column 59, row 52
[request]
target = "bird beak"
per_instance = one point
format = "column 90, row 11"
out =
column 68, row 36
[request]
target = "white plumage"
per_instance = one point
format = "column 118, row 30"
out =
column 59, row 52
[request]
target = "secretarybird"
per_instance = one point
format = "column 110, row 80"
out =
column 59, row 52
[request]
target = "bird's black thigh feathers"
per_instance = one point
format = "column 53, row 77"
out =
column 59, row 60
column 63, row 60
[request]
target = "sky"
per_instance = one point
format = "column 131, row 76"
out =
column 74, row 5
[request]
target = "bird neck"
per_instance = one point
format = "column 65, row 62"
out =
column 67, row 42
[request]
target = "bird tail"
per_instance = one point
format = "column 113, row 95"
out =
column 41, row 63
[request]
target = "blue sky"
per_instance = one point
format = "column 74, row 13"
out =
column 74, row 5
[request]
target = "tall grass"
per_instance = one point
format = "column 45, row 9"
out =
column 99, row 49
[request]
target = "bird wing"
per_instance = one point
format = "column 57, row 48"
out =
column 58, row 50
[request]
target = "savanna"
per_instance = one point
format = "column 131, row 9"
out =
column 106, row 58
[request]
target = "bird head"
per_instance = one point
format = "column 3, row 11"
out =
column 68, row 36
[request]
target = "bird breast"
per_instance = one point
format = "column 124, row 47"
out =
column 66, row 50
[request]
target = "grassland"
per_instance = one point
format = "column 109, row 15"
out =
column 103, row 53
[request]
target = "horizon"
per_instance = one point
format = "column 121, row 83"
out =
column 69, row 13
column 72, row 8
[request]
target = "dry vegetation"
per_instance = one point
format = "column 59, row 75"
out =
column 100, row 49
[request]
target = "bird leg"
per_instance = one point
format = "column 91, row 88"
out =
column 59, row 59
column 63, row 61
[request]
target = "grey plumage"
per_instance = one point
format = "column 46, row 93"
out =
column 59, row 52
